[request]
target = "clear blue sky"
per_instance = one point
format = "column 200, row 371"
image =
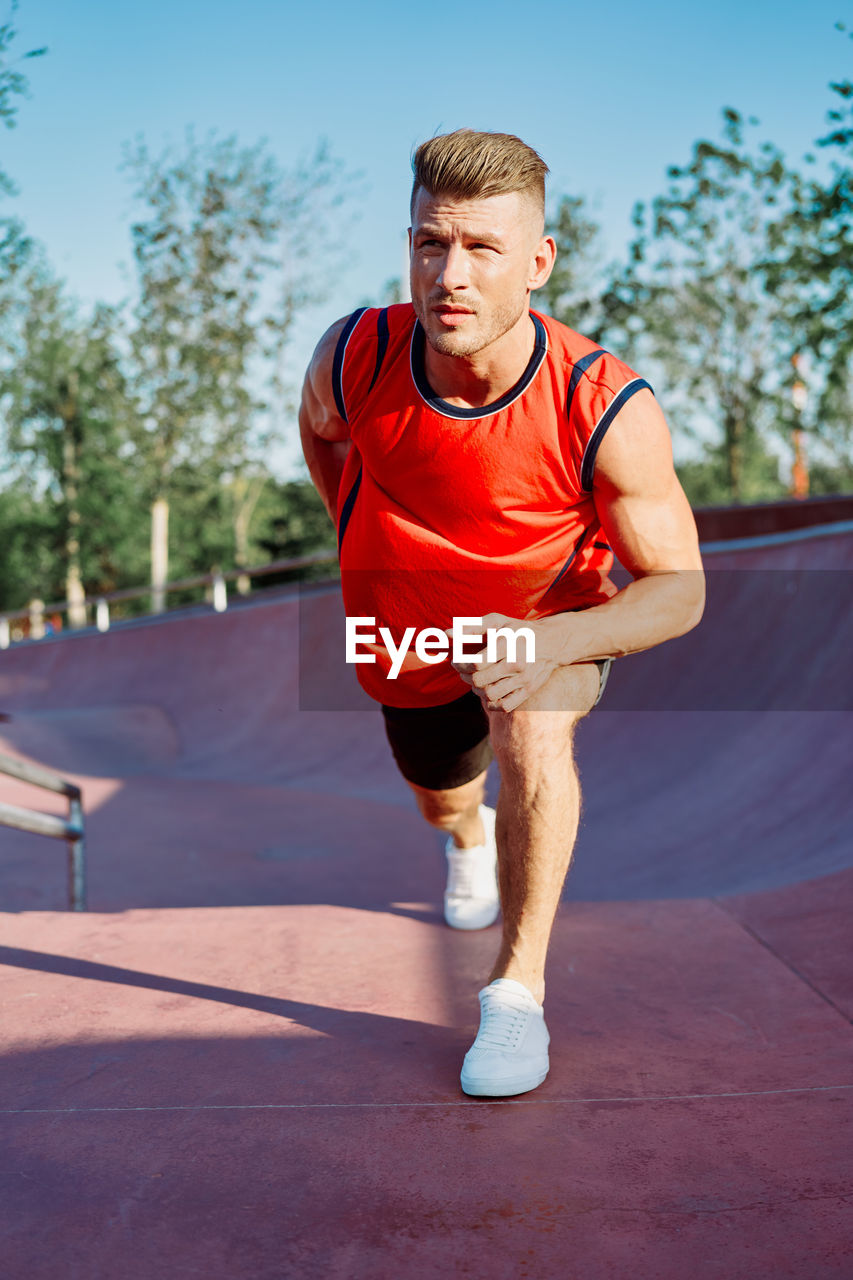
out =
column 609, row 94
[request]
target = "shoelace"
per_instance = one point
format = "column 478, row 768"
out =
column 502, row 1023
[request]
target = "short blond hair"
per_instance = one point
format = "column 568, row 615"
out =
column 467, row 165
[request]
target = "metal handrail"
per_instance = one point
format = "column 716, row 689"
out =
column 48, row 824
column 217, row 579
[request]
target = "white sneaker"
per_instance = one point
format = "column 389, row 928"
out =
column 471, row 899
column 510, row 1054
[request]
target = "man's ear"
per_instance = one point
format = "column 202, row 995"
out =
column 543, row 262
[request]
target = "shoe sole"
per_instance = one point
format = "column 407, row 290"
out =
column 477, row 923
column 506, row 1089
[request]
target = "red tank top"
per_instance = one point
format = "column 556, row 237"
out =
column 448, row 512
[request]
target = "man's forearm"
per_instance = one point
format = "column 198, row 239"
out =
column 647, row 612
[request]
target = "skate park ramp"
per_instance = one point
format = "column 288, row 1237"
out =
column 243, row 1060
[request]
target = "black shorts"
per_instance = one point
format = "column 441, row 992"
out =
column 446, row 746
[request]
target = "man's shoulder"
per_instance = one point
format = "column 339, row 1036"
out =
column 564, row 341
column 582, row 358
column 370, row 334
column 364, row 322
column 371, row 340
column 360, row 324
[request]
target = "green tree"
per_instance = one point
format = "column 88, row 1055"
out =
column 16, row 248
column 693, row 304
column 573, row 291
column 292, row 522
column 28, row 537
column 225, row 258
column 810, row 268
column 66, row 410
column 13, row 83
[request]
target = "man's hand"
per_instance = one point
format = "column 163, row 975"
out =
column 505, row 684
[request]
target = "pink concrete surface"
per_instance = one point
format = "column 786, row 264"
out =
column 243, row 1062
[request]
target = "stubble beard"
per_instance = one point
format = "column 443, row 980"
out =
column 457, row 344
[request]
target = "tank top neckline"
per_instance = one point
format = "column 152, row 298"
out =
column 425, row 391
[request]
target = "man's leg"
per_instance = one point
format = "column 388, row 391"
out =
column 537, row 820
column 537, row 816
column 455, row 810
column 443, row 753
column 471, row 895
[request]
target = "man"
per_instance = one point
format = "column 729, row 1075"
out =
column 480, row 460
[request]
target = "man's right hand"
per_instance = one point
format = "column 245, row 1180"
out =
column 324, row 434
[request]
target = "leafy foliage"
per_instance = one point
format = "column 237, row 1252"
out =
column 572, row 292
column 740, row 267
column 66, row 409
column 292, row 522
column 810, row 268
column 693, row 304
column 13, row 83
column 224, row 268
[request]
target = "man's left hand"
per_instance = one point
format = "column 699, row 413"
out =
column 504, row 685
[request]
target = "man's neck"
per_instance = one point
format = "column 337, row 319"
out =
column 471, row 382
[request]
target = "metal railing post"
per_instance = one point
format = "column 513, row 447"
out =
column 76, row 856
column 48, row 824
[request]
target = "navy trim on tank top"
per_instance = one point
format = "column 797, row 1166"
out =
column 588, row 464
column 338, row 362
column 454, row 411
column 381, row 345
column 577, row 373
column 581, row 540
column 346, row 510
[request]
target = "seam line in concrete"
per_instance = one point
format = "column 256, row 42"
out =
column 343, row 1106
column 783, row 960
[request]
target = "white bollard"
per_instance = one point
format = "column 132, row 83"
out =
column 5, row 636
column 37, row 619
column 102, row 616
column 220, row 594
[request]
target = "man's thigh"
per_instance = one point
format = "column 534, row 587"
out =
column 573, row 690
column 442, row 747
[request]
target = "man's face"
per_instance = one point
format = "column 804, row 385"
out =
column 473, row 265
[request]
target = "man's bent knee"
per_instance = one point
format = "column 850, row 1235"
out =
column 544, row 723
column 443, row 809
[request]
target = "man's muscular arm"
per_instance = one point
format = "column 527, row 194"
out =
column 649, row 524
column 324, row 434
column 648, row 521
